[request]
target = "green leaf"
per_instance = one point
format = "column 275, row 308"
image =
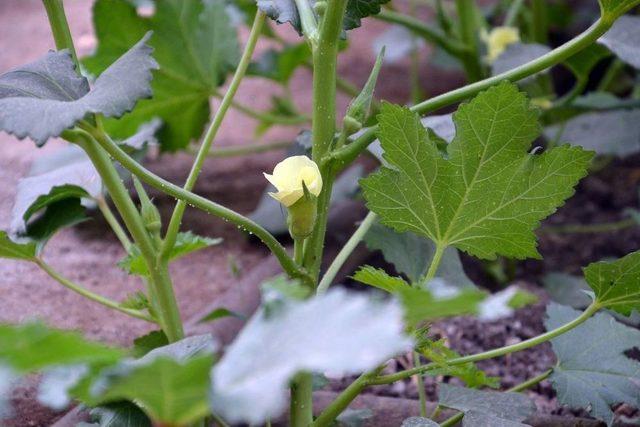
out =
column 606, row 132
column 122, row 414
column 566, row 289
column 279, row 65
column 593, row 371
column 169, row 391
column 422, row 304
column 615, row 284
column 412, row 254
column 440, row 354
column 503, row 406
column 186, row 243
column 32, row 347
column 584, row 61
column 42, row 99
column 58, row 215
column 612, row 9
column 283, row 11
column 623, row 39
column 12, row 250
column 489, row 195
column 195, row 44
column 146, row 343
column 220, row 313
column 338, row 332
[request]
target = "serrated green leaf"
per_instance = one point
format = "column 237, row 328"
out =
column 380, row 279
column 169, row 391
column 412, row 254
column 12, row 250
column 186, row 243
column 195, row 44
column 623, row 39
column 42, row 99
column 490, row 194
column 616, row 284
column 33, row 346
column 505, row 406
column 612, row 9
column 606, row 132
column 283, row 11
column 593, row 371
column 337, row 332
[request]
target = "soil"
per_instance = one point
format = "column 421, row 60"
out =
column 88, row 253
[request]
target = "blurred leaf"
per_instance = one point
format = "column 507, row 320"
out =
column 596, row 375
column 122, row 414
column 354, row 417
column 337, row 332
column 503, row 303
column 8, row 378
column 440, row 354
column 12, row 250
column 42, row 99
column 616, row 283
column 583, row 62
column 279, row 65
column 504, row 406
column 186, row 243
column 195, row 44
column 481, row 419
column 56, row 384
column 623, row 39
column 220, row 313
column 22, row 348
column 146, row 343
column 419, row 422
column 566, row 289
column 483, row 198
column 412, row 255
column 608, row 132
column 58, row 215
column 380, row 279
column 398, row 42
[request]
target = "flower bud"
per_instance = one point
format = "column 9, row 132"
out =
column 498, row 39
column 298, row 182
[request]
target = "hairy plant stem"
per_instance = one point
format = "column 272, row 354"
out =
column 60, row 28
column 348, row 153
column 160, row 287
column 90, row 295
column 455, row 419
column 244, row 223
column 205, row 147
column 372, row 378
column 344, row 253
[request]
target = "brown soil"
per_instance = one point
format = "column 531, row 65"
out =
column 89, row 252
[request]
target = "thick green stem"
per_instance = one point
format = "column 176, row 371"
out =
column 346, row 250
column 289, row 266
column 161, row 288
column 205, row 147
column 451, row 46
column 539, row 23
column 532, row 342
column 435, row 263
column 467, row 14
column 348, row 153
column 90, row 295
column 325, row 56
column 452, row 421
column 301, row 408
column 60, row 28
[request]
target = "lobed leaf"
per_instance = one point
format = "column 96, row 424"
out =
column 338, row 332
column 42, row 99
column 489, row 195
column 593, row 371
column 501, row 407
column 616, row 284
column 196, row 46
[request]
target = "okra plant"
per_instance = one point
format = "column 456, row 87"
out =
column 471, row 182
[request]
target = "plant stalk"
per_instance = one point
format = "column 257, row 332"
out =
column 60, row 28
column 113, row 223
column 205, row 147
column 90, row 295
column 467, row 11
